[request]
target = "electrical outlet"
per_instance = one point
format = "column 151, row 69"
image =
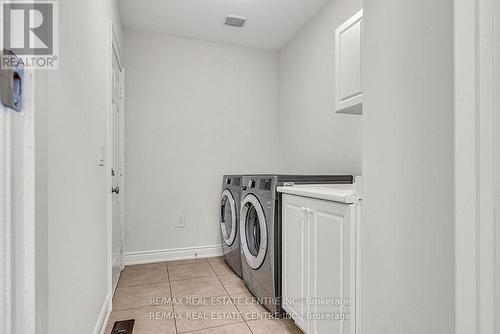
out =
column 181, row 222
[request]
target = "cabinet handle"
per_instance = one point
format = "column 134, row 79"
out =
column 307, row 210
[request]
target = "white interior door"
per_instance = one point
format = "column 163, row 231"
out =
column 17, row 215
column 117, row 166
column 5, row 225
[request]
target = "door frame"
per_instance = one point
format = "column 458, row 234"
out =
column 113, row 46
column 476, row 35
column 17, row 231
column 5, row 227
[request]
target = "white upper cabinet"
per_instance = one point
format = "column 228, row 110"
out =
column 348, row 59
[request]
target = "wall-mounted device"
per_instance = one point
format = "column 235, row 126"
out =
column 11, row 83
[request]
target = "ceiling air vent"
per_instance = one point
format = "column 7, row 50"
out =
column 235, row 21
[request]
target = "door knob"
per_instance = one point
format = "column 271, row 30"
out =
column 115, row 190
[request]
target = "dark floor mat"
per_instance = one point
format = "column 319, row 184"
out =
column 123, row 327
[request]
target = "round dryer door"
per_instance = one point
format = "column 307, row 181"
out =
column 253, row 231
column 228, row 221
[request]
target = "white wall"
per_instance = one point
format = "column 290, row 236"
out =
column 194, row 111
column 72, row 282
column 313, row 138
column 192, row 105
column 408, row 212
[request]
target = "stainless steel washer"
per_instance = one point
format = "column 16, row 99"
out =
column 229, row 221
column 260, row 232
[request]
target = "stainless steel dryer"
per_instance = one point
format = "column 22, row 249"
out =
column 260, row 232
column 229, row 221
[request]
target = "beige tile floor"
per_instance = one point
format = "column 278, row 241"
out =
column 200, row 296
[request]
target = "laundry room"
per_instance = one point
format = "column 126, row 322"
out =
column 197, row 110
column 213, row 104
column 243, row 166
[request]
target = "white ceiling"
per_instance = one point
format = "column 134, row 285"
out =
column 271, row 23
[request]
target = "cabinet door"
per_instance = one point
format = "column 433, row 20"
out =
column 332, row 263
column 348, row 49
column 293, row 255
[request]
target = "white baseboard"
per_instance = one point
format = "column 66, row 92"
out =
column 172, row 254
column 102, row 321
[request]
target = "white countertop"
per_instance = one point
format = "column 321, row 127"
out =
column 343, row 193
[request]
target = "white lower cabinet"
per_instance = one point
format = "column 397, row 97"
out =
column 319, row 264
column 294, row 270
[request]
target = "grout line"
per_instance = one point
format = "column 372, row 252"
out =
column 213, row 270
column 138, row 308
column 230, row 298
column 180, row 262
column 212, row 327
column 193, row 278
column 218, row 326
column 138, row 285
column 243, row 320
column 171, row 297
column 251, row 331
column 186, row 279
column 239, row 311
column 141, row 284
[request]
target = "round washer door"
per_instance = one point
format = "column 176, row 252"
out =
column 253, row 231
column 228, row 220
